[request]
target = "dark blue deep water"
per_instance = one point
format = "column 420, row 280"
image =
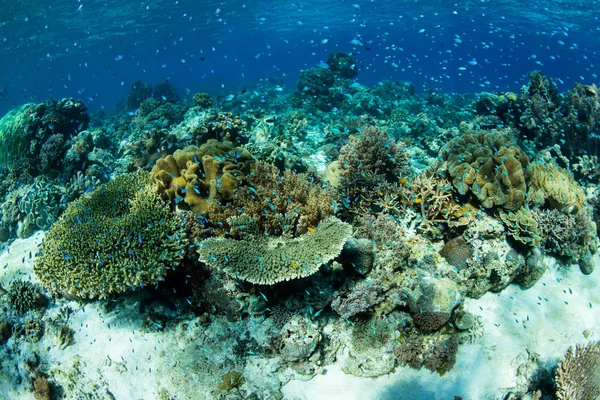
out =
column 94, row 50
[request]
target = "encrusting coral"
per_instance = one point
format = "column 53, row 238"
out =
column 488, row 165
column 268, row 259
column 199, row 176
column 118, row 237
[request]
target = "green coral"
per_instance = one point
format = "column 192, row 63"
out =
column 269, row 260
column 488, row 165
column 523, row 227
column 10, row 129
column 119, row 237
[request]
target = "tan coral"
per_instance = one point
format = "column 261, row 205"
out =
column 198, row 176
column 555, row 185
column 488, row 165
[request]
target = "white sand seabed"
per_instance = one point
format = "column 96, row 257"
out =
column 513, row 321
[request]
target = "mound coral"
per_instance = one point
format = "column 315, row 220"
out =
column 268, row 260
column 118, row 237
column 199, row 176
column 488, row 165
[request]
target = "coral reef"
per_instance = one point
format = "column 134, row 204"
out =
column 269, row 260
column 489, row 166
column 435, row 352
column 342, row 65
column 231, row 380
column 37, row 133
column 138, row 93
column 203, row 100
column 200, row 176
column 118, row 237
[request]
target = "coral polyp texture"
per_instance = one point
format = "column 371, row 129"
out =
column 119, row 237
column 201, row 175
column 268, row 260
column 489, row 166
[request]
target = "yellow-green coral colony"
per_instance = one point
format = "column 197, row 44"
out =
column 118, row 238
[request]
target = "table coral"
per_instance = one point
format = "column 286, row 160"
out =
column 199, row 176
column 488, row 165
column 268, row 260
column 118, row 237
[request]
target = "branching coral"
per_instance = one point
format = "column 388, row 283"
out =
column 268, row 260
column 578, row 375
column 276, row 203
column 119, row 237
column 199, row 176
column 368, row 164
column 488, row 165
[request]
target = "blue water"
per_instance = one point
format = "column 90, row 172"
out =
column 94, row 50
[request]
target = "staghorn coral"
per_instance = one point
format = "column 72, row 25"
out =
column 118, row 237
column 522, row 226
column 269, row 260
column 556, row 186
column 578, row 375
column 488, row 165
column 199, row 176
column 277, row 203
column 434, row 198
